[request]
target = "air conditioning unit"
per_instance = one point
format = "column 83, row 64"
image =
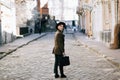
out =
column 106, row 36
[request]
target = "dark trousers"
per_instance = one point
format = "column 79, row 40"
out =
column 58, row 63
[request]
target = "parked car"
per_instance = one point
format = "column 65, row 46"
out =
column 74, row 28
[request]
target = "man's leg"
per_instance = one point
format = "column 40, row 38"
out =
column 61, row 69
column 56, row 67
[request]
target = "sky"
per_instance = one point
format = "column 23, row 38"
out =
column 62, row 9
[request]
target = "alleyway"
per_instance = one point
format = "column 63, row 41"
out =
column 35, row 62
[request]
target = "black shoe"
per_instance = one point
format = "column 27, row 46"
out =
column 57, row 76
column 63, row 76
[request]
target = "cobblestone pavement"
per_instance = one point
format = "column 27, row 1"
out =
column 35, row 62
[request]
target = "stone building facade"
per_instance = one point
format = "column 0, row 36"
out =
column 44, row 14
column 17, row 17
column 0, row 30
column 98, row 18
column 26, row 15
column 7, row 20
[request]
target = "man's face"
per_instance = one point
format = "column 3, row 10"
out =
column 60, row 27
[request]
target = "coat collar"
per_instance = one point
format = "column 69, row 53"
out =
column 59, row 31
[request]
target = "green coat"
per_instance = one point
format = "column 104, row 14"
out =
column 59, row 43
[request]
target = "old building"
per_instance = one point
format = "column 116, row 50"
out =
column 17, row 17
column 8, row 21
column 84, row 11
column 98, row 18
column 26, row 14
column 44, row 14
column 0, row 30
column 80, row 12
column 116, row 28
column 117, row 4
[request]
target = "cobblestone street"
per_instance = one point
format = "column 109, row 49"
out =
column 35, row 62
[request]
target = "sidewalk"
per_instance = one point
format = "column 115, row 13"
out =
column 112, row 55
column 18, row 43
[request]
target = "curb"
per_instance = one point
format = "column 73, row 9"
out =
column 106, row 57
column 11, row 51
column 116, row 64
